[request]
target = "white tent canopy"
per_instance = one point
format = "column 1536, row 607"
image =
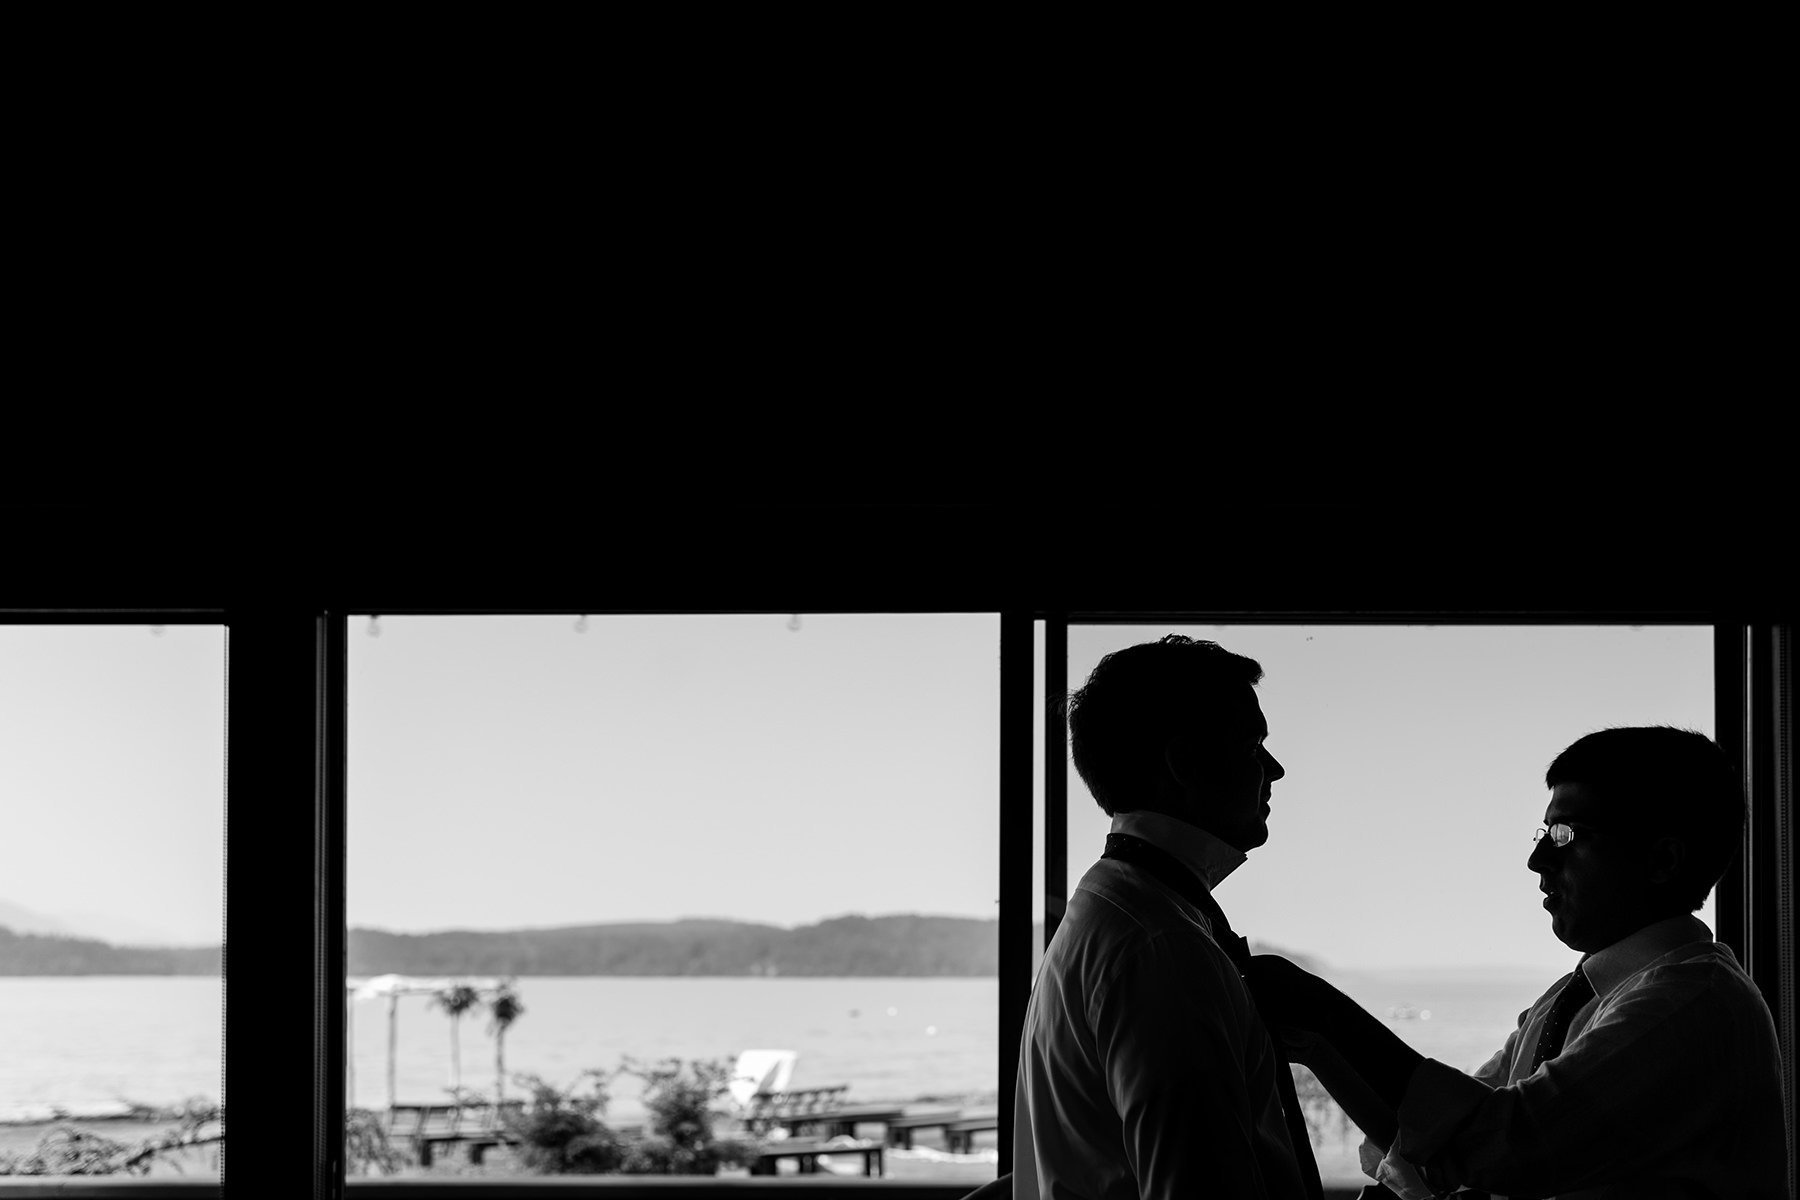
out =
column 415, row 985
column 393, row 987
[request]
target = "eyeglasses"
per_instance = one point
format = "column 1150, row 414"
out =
column 1561, row 835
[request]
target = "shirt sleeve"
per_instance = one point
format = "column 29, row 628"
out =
column 1632, row 1091
column 1498, row 1069
column 1400, row 1176
column 1169, row 1034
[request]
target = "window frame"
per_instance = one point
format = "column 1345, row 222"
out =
column 1014, row 807
column 68, row 1186
column 1752, row 710
column 285, row 780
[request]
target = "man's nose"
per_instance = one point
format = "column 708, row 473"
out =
column 1539, row 859
column 1275, row 770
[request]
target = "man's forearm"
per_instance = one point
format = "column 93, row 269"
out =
column 1379, row 1059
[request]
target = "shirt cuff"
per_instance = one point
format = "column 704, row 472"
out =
column 1403, row 1179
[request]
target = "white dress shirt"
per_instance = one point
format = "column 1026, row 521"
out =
column 1668, row 1085
column 1145, row 1072
column 1199, row 851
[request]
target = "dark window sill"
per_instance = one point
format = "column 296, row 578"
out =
column 636, row 1188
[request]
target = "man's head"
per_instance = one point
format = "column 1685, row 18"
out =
column 1656, row 814
column 1174, row 726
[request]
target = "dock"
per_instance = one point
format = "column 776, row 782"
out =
column 809, row 1129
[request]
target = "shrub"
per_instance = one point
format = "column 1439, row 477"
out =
column 66, row 1149
column 681, row 1102
column 366, row 1144
column 1323, row 1116
column 560, row 1132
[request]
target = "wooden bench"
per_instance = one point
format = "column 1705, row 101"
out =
column 807, row 1152
column 427, row 1126
column 959, row 1135
column 768, row 1109
column 900, row 1130
column 837, row 1122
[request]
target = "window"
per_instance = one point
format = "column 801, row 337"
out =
column 1414, row 759
column 691, row 837
column 285, row 667
column 112, row 766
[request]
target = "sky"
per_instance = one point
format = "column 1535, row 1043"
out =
column 112, row 778
column 1415, row 760
column 509, row 772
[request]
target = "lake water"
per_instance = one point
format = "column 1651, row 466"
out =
column 85, row 1041
column 79, row 1041
column 1459, row 1017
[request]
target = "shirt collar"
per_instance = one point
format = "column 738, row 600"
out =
column 1607, row 969
column 1199, row 851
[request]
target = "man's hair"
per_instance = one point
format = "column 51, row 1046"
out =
column 1136, row 698
column 1668, row 782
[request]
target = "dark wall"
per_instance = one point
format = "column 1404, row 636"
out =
column 1273, row 545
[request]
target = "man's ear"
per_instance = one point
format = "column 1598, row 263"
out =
column 1668, row 858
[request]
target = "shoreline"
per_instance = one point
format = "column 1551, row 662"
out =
column 20, row 1139
column 23, row 1136
column 103, row 1110
column 1337, row 1163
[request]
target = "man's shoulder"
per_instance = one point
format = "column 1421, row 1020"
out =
column 1121, row 943
column 1702, row 992
column 1704, row 971
column 1120, row 894
column 1116, row 912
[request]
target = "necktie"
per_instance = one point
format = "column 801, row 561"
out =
column 1165, row 867
column 1575, row 993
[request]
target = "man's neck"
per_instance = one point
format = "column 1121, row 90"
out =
column 1199, row 850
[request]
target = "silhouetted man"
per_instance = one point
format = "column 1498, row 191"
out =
column 1650, row 1071
column 1145, row 1070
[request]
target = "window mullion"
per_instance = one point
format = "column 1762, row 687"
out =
column 1056, row 773
column 1731, row 897
column 1016, row 726
column 329, row 936
column 271, row 1048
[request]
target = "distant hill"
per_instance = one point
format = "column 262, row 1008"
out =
column 20, row 919
column 52, row 954
column 841, row 946
column 97, row 926
column 838, row 947
column 125, row 931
